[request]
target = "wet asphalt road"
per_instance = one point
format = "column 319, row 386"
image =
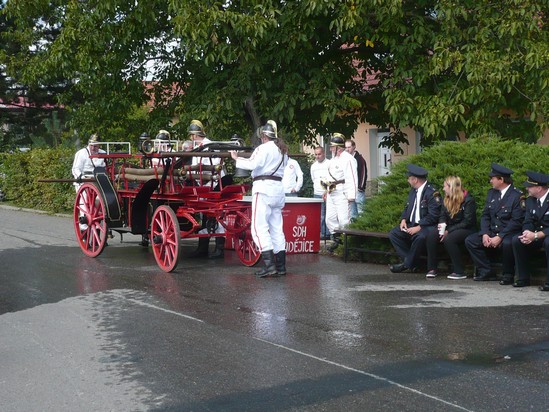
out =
column 115, row 333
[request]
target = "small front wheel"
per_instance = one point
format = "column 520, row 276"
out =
column 246, row 248
column 165, row 238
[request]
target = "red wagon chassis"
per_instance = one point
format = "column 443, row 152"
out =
column 163, row 198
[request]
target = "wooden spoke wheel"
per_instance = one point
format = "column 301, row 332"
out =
column 165, row 238
column 244, row 244
column 90, row 225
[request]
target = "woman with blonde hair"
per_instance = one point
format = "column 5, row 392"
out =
column 458, row 219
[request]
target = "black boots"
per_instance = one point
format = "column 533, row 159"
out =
column 202, row 249
column 219, row 248
column 280, row 259
column 274, row 265
column 269, row 267
column 335, row 244
column 203, row 245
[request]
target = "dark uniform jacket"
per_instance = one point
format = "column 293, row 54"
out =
column 502, row 217
column 429, row 211
column 465, row 218
column 535, row 219
column 361, row 172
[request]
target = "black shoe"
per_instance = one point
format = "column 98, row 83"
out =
column 333, row 247
column 280, row 263
column 216, row 254
column 398, row 268
column 219, row 251
column 269, row 268
column 202, row 249
column 506, row 279
column 521, row 283
column 144, row 241
column 199, row 254
column 483, row 277
column 544, row 288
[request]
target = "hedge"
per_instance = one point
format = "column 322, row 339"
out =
column 21, row 171
column 470, row 160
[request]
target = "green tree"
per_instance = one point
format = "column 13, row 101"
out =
column 315, row 66
column 31, row 116
column 473, row 66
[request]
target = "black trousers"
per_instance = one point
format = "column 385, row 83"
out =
column 522, row 254
column 480, row 254
column 452, row 243
column 409, row 248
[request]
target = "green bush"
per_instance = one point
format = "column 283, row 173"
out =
column 22, row 170
column 469, row 160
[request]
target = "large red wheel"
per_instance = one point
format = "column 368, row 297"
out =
column 165, row 238
column 245, row 247
column 90, row 225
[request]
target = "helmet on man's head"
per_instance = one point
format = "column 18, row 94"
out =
column 163, row 135
column 270, row 129
column 337, row 139
column 94, row 138
column 143, row 136
column 196, row 128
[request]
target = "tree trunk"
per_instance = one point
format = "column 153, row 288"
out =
column 254, row 119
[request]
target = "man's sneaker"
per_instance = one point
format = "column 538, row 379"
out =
column 456, row 276
column 431, row 274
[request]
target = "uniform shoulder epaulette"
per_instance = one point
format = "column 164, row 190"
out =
column 518, row 190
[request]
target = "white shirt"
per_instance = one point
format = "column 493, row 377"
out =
column 207, row 160
column 417, row 206
column 293, row 177
column 542, row 199
column 503, row 191
column 266, row 160
column 319, row 172
column 83, row 165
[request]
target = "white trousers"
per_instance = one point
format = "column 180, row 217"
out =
column 267, row 229
column 338, row 211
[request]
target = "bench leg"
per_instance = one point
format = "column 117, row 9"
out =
column 345, row 250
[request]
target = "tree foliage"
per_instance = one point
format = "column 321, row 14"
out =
column 315, row 66
column 29, row 115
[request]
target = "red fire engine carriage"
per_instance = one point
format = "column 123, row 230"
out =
column 162, row 196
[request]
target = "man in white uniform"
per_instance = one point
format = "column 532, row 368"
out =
column 319, row 173
column 267, row 164
column 341, row 188
column 198, row 137
column 293, row 178
column 82, row 165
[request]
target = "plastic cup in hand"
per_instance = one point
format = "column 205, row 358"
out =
column 441, row 228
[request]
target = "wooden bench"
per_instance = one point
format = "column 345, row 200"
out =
column 346, row 233
column 442, row 255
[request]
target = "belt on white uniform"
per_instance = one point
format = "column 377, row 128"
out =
column 268, row 177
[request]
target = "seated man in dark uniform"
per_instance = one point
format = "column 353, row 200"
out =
column 419, row 218
column 535, row 229
column 501, row 219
